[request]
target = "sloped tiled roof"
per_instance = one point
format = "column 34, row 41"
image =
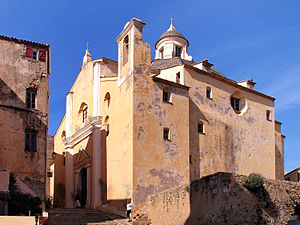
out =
column 159, row 64
column 23, row 41
column 172, row 32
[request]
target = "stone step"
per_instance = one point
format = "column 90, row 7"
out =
column 79, row 216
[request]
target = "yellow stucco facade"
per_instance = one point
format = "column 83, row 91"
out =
column 135, row 127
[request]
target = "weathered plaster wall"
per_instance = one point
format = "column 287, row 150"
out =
column 239, row 143
column 17, row 72
column 221, row 198
column 279, row 151
column 158, row 164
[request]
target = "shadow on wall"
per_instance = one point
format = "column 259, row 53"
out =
column 222, row 199
column 194, row 157
column 83, row 161
column 18, row 124
column 59, row 180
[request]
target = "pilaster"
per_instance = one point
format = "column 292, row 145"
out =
column 96, row 198
column 69, row 109
column 69, row 178
column 96, row 91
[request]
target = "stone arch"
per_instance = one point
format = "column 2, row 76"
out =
column 83, row 111
column 125, row 49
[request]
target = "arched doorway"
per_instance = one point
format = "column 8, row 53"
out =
column 83, row 186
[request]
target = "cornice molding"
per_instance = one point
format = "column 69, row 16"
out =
column 95, row 123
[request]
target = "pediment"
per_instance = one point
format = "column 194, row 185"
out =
column 82, row 159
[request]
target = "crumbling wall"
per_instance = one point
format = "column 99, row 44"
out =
column 158, row 163
column 221, row 198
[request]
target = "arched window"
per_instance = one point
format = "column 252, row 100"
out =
column 107, row 100
column 83, row 112
column 63, row 136
column 161, row 52
column 125, row 49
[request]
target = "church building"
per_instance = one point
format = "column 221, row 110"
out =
column 136, row 127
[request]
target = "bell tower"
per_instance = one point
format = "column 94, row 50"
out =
column 132, row 51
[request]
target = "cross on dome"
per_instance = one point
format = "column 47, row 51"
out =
column 171, row 25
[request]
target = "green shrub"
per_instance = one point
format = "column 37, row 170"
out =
column 20, row 203
column 187, row 188
column 253, row 182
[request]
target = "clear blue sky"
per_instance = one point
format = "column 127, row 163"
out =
column 243, row 39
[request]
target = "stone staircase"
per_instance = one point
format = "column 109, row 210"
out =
column 137, row 220
column 79, row 216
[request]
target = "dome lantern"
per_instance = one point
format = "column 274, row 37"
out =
column 172, row 44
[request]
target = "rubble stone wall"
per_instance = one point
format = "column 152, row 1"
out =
column 221, row 198
column 18, row 72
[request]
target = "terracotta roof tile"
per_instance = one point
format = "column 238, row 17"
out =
column 23, row 41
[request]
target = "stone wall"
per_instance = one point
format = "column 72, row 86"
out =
column 221, row 198
column 18, row 72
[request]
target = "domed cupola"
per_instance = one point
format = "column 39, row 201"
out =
column 172, row 44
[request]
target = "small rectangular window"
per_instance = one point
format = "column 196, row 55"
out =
column 268, row 115
column 166, row 134
column 178, row 77
column 34, row 53
column 166, row 96
column 178, row 51
column 30, row 141
column 235, row 103
column 208, row 92
column 298, row 176
column 200, row 128
column 30, row 97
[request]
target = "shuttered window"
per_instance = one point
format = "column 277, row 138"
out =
column 29, row 52
column 42, row 54
column 38, row 54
